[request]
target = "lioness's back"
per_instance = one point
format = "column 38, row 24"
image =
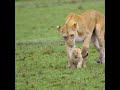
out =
column 93, row 14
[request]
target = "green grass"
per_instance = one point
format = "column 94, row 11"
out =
column 40, row 56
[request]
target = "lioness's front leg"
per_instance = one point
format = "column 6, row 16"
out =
column 85, row 48
column 68, row 55
column 84, row 61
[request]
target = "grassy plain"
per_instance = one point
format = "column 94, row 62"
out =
column 40, row 56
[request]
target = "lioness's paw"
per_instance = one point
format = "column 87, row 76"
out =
column 101, row 61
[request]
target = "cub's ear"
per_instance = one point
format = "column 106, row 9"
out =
column 59, row 29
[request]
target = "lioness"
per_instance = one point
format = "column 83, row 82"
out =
column 76, row 59
column 87, row 26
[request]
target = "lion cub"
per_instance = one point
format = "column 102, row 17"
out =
column 76, row 59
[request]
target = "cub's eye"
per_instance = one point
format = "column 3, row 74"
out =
column 65, row 37
column 72, row 35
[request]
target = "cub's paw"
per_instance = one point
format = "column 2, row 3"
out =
column 78, row 66
column 84, row 66
column 68, row 66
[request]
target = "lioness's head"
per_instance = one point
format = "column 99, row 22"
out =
column 70, row 29
column 69, row 33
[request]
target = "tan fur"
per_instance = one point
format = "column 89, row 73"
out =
column 86, row 27
column 76, row 59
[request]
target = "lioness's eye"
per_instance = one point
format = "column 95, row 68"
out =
column 72, row 35
column 65, row 37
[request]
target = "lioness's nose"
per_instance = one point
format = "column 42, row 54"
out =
column 71, row 45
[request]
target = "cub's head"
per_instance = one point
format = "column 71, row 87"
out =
column 76, row 53
column 69, row 33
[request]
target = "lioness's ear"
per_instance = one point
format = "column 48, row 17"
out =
column 74, row 25
column 59, row 29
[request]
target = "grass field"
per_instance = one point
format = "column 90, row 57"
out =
column 40, row 56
